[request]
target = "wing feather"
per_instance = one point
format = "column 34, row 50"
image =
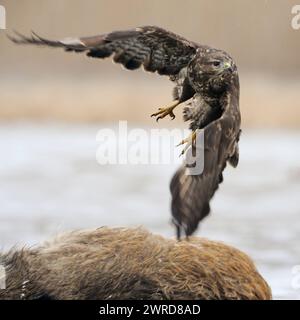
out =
column 153, row 47
column 191, row 194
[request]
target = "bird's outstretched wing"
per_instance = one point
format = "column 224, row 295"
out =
column 191, row 194
column 153, row 47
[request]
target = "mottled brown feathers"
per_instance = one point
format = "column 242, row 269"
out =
column 122, row 263
column 154, row 48
column 198, row 71
column 191, row 194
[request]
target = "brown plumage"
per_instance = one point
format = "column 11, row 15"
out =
column 205, row 77
column 122, row 263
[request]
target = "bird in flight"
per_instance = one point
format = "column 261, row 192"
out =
column 206, row 81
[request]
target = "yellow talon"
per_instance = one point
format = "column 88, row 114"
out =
column 163, row 112
column 190, row 141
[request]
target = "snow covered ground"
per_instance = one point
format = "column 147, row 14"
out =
column 50, row 182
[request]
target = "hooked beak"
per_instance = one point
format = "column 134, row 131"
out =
column 227, row 65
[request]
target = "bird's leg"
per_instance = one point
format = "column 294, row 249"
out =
column 168, row 110
column 190, row 141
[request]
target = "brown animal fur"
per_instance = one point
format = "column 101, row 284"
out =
column 122, row 263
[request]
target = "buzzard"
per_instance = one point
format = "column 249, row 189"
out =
column 205, row 78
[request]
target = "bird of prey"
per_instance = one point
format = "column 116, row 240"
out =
column 205, row 78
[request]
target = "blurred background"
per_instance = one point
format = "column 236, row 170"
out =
column 52, row 105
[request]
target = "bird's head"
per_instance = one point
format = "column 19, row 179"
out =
column 214, row 66
column 214, row 62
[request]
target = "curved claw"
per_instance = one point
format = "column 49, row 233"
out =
column 163, row 112
column 189, row 141
column 172, row 115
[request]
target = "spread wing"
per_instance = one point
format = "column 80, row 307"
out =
column 154, row 48
column 191, row 194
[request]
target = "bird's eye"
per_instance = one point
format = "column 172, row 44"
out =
column 216, row 63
